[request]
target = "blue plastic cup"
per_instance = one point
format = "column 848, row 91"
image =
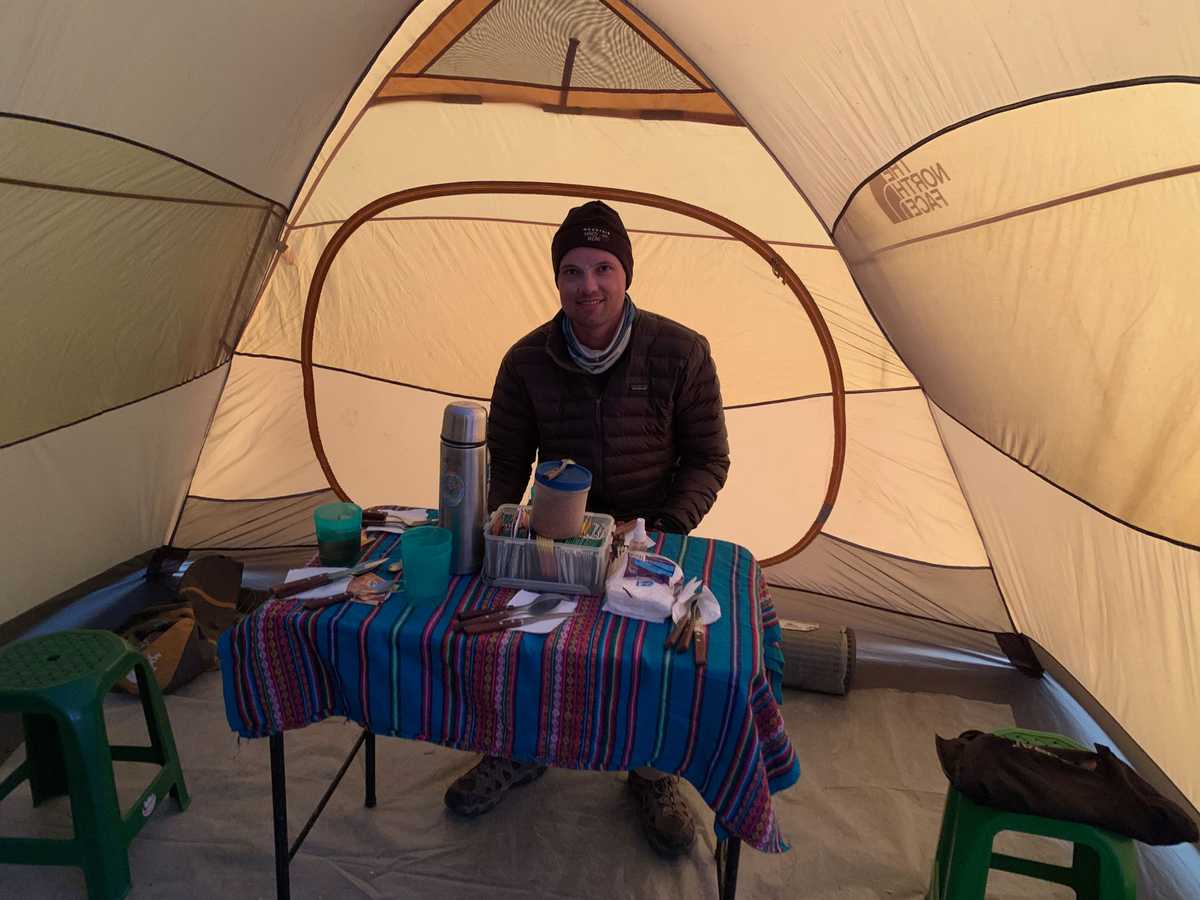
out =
column 425, row 552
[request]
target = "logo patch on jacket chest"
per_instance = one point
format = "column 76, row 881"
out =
column 639, row 387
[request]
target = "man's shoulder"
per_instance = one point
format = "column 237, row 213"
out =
column 532, row 344
column 668, row 335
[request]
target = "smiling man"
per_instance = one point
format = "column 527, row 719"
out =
column 634, row 397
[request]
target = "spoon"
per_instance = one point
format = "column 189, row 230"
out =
column 543, row 604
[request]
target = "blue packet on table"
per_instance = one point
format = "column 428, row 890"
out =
column 658, row 569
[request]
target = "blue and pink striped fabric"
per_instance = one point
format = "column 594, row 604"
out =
column 599, row 692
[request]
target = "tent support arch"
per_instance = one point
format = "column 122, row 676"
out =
column 426, row 192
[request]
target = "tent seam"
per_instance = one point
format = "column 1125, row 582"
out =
column 131, row 142
column 341, row 112
column 820, row 394
column 745, row 122
column 270, row 208
column 432, row 390
column 982, row 540
column 224, row 549
column 296, row 495
column 1112, row 187
column 902, row 558
column 415, row 387
column 212, row 417
column 437, row 56
column 116, row 407
column 688, row 75
column 1127, row 734
column 502, row 221
column 1008, row 107
column 1112, row 516
column 884, row 609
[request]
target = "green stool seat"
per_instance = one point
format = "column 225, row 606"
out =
column 1103, row 866
column 57, row 683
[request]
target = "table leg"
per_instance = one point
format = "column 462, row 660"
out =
column 728, row 853
column 369, row 801
column 279, row 804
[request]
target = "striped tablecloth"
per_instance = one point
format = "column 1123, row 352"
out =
column 599, row 692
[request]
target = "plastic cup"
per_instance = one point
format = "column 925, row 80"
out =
column 339, row 533
column 426, row 555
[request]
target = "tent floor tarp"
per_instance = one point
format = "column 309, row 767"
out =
column 862, row 821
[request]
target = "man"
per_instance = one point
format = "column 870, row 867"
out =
column 632, row 396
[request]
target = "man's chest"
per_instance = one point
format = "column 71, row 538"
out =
column 622, row 396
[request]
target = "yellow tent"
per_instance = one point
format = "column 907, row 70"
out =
column 993, row 210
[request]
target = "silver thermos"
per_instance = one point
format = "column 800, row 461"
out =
column 462, row 483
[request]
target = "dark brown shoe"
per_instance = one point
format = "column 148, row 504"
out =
column 484, row 786
column 664, row 814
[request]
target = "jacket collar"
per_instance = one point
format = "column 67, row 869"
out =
column 641, row 335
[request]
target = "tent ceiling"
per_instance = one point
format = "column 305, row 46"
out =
column 837, row 89
column 582, row 56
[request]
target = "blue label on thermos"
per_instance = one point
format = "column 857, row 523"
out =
column 453, row 489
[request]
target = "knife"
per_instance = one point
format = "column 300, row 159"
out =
column 700, row 647
column 290, row 588
column 481, row 626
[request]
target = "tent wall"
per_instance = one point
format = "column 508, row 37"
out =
column 1118, row 608
column 1030, row 263
column 1033, row 268
column 245, row 90
column 1045, row 305
column 838, row 89
column 1072, row 353
column 98, row 492
column 145, row 150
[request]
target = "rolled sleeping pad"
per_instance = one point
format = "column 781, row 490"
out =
column 817, row 657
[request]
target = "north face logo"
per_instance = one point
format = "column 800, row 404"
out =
column 905, row 193
column 595, row 233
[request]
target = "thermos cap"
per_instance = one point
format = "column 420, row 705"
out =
column 464, row 422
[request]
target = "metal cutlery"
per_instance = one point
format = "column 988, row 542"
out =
column 544, row 603
column 482, row 625
column 291, row 588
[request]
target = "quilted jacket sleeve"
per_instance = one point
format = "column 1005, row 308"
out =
column 512, row 436
column 701, row 442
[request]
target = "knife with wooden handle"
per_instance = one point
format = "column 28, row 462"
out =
column 322, row 602
column 677, row 632
column 291, row 588
column 700, row 646
column 482, row 626
column 693, row 621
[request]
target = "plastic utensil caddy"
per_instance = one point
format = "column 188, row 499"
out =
column 568, row 568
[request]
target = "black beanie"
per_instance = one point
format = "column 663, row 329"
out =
column 594, row 224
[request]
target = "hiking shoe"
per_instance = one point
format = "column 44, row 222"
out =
column 664, row 814
column 480, row 789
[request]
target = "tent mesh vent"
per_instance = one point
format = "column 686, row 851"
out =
column 526, row 41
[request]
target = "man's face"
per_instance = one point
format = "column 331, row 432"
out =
column 591, row 288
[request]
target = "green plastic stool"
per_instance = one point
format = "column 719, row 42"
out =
column 58, row 683
column 1103, row 866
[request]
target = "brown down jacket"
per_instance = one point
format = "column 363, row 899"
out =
column 651, row 429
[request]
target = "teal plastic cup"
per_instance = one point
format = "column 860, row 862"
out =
column 339, row 533
column 425, row 552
